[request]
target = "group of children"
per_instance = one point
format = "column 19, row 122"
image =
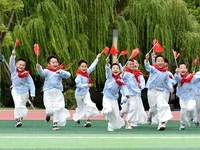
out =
column 127, row 80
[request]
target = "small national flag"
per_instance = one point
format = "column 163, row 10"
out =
column 195, row 61
column 36, row 50
column 135, row 52
column 113, row 51
column 125, row 52
column 157, row 47
column 106, row 50
column 17, row 42
column 176, row 55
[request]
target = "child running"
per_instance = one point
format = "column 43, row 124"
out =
column 186, row 94
column 135, row 83
column 53, row 97
column 22, row 82
column 113, row 85
column 85, row 106
column 158, row 79
column 197, row 98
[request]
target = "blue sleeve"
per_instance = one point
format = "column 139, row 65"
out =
column 31, row 85
column 79, row 84
column 92, row 66
column 41, row 72
column 12, row 63
column 108, row 71
column 65, row 74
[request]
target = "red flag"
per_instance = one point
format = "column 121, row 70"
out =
column 195, row 61
column 157, row 47
column 106, row 50
column 135, row 52
column 125, row 52
column 113, row 51
column 17, row 42
column 176, row 55
column 36, row 49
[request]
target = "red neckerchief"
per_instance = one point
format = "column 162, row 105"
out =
column 170, row 76
column 136, row 73
column 85, row 74
column 23, row 73
column 117, row 79
column 163, row 69
column 58, row 68
column 186, row 78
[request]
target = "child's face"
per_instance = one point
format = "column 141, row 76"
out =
column 160, row 62
column 115, row 70
column 136, row 65
column 53, row 63
column 20, row 65
column 83, row 67
column 130, row 65
column 183, row 69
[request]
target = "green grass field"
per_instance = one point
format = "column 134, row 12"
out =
column 38, row 135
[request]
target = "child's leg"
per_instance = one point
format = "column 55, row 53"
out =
column 190, row 109
column 20, row 101
column 90, row 107
column 48, row 103
column 183, row 117
column 80, row 110
column 197, row 111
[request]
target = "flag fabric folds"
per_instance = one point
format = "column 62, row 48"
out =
column 113, row 51
column 125, row 52
column 157, row 46
column 36, row 50
column 135, row 52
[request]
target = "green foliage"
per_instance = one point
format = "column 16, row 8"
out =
column 80, row 29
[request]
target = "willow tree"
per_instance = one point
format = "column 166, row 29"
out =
column 169, row 22
column 80, row 29
column 7, row 11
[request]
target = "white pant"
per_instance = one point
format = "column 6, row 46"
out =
column 197, row 109
column 55, row 106
column 158, row 105
column 20, row 101
column 111, row 112
column 85, row 106
column 187, row 110
column 135, row 110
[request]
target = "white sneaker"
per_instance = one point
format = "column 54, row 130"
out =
column 88, row 124
column 110, row 129
column 134, row 125
column 182, row 126
column 128, row 126
column 161, row 126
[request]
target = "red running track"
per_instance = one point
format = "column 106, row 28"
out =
column 40, row 115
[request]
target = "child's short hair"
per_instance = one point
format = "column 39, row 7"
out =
column 159, row 56
column 129, row 60
column 166, row 60
column 82, row 61
column 182, row 63
column 50, row 57
column 21, row 59
column 114, row 65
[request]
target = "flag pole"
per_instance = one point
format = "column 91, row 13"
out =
column 175, row 59
column 152, row 47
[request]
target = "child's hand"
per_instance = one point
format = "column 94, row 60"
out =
column 107, row 60
column 127, row 96
column 98, row 56
column 172, row 90
column 117, row 61
column 58, row 71
column 38, row 66
column 90, row 85
column 13, row 53
column 177, row 70
column 139, row 85
column 153, row 55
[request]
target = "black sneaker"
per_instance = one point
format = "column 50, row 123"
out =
column 18, row 123
column 149, row 120
column 55, row 126
column 78, row 122
column 47, row 119
column 88, row 123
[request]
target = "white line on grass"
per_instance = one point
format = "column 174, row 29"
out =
column 99, row 137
